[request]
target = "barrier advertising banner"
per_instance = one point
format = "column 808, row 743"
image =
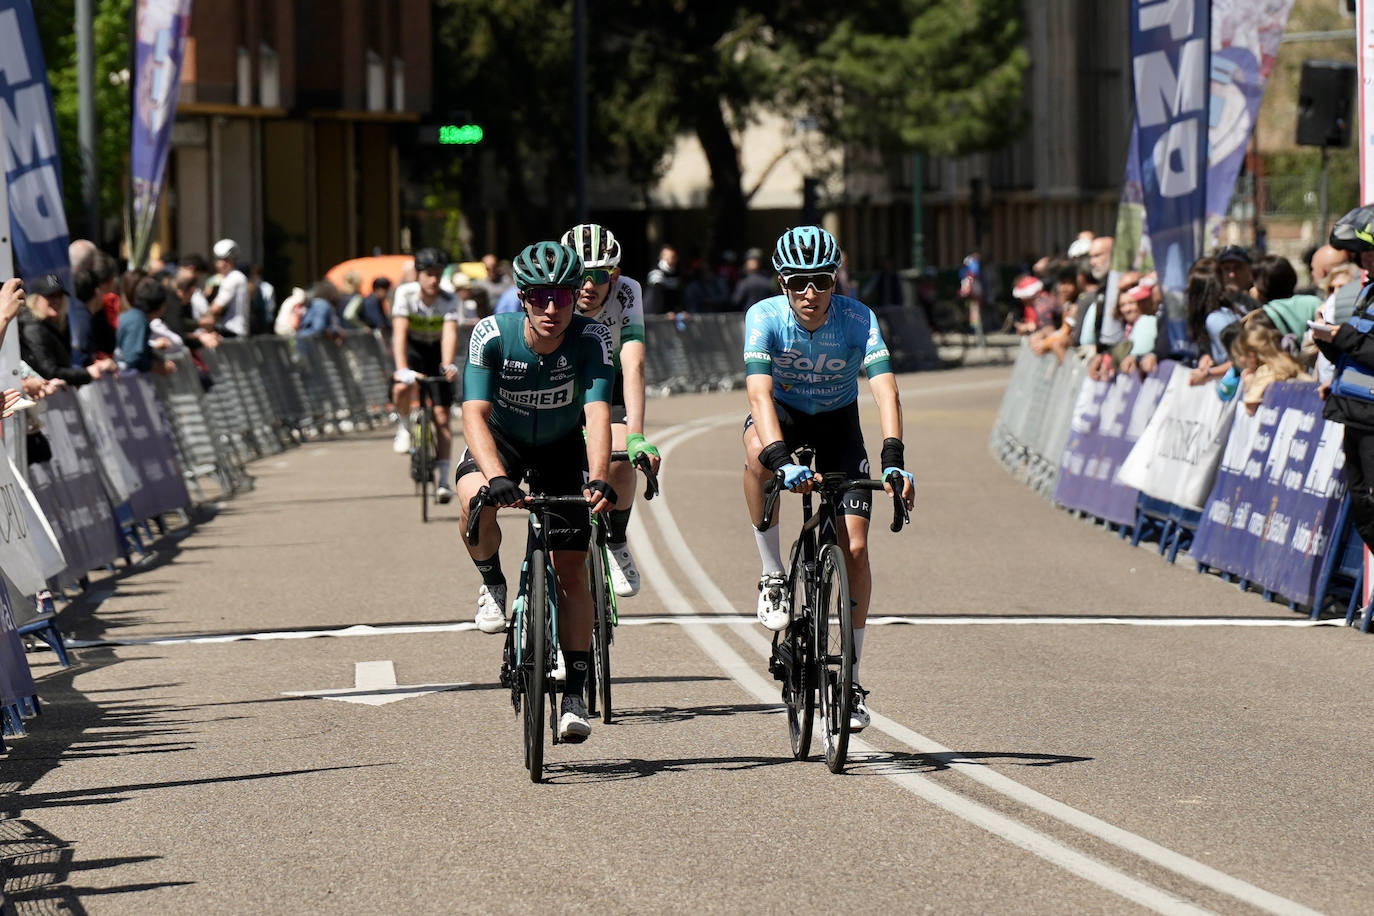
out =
column 161, row 27
column 1272, row 513
column 1170, row 53
column 32, row 163
column 26, row 554
column 120, row 477
column 147, row 443
column 1107, row 420
column 16, row 681
column 1176, row 457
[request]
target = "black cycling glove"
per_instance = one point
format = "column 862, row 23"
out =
column 502, row 491
column 606, row 490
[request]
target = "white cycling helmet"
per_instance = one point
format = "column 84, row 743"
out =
column 596, row 245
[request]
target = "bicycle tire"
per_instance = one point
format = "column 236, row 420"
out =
column 534, row 617
column 834, row 654
column 799, row 684
column 426, row 451
column 598, row 690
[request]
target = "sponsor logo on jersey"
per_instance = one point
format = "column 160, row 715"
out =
column 603, row 337
column 562, row 363
column 756, row 336
column 872, row 336
column 516, row 365
column 759, row 355
column 876, row 356
column 485, row 330
column 824, row 362
column 541, row 399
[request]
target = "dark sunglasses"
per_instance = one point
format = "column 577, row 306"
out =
column 798, row 283
column 541, row 296
column 596, row 275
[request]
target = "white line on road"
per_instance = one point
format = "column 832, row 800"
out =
column 374, row 684
column 674, row 543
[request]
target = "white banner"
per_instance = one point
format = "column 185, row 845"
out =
column 28, row 548
column 120, row 477
column 1364, row 19
column 1176, row 457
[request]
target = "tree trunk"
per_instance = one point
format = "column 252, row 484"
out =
column 728, row 213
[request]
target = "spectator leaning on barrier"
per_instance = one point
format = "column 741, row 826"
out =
column 230, row 308
column 1274, row 285
column 1210, row 308
column 42, row 341
column 1257, row 351
column 11, row 304
column 663, row 287
column 375, row 310
column 321, row 317
column 134, row 348
column 756, row 284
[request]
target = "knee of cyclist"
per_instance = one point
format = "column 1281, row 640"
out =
column 858, row 550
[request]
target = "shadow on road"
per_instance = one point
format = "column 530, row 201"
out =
column 614, row 770
column 889, row 763
column 658, row 715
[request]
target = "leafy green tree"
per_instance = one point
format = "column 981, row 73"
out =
column 111, row 27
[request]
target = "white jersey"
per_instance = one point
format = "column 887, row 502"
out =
column 426, row 322
column 623, row 315
column 233, row 295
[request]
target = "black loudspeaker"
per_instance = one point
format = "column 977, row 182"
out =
column 1324, row 98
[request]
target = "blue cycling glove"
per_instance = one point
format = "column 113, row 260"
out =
column 888, row 472
column 793, row 475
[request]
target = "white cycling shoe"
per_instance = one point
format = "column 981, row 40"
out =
column 573, row 726
column 624, row 573
column 859, row 719
column 773, row 601
column 401, row 444
column 442, row 494
column 491, row 609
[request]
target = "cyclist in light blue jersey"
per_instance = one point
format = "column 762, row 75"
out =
column 803, row 352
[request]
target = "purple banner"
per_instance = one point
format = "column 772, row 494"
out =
column 1245, row 45
column 1108, row 419
column 143, row 434
column 32, row 161
column 1170, row 50
column 1272, row 511
column 16, row 681
column 161, row 27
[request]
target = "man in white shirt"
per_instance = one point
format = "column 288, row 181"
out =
column 230, row 308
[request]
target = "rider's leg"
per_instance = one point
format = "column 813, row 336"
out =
column 485, row 554
column 402, row 396
column 756, row 478
column 853, row 540
column 575, row 614
column 443, row 443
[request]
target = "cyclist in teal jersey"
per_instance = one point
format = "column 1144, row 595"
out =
column 617, row 302
column 803, row 352
column 529, row 379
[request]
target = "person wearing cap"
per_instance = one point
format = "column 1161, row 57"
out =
column 43, row 342
column 1234, row 264
column 230, row 305
column 755, row 285
column 1029, row 292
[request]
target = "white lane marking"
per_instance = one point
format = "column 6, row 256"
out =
column 939, row 620
column 374, row 684
column 1042, row 845
column 1198, row 872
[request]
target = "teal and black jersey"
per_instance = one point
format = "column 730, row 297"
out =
column 537, row 398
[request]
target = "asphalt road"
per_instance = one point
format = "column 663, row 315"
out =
column 1206, row 751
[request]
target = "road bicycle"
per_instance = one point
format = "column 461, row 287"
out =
column 814, row 656
column 531, row 651
column 598, row 693
column 423, row 448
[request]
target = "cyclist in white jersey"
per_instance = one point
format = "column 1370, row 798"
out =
column 617, row 302
column 424, row 341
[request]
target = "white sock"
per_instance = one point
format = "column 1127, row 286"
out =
column 442, row 465
column 770, row 549
column 858, row 651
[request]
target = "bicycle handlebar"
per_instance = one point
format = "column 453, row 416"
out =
column 642, row 462
column 532, row 502
column 831, row 484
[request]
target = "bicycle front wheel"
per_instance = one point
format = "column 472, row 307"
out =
column 799, row 679
column 599, row 676
column 534, row 664
column 834, row 654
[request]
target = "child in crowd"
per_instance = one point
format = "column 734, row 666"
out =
column 1257, row 350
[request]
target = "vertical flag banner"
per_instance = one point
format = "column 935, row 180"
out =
column 161, row 26
column 1364, row 19
column 32, row 163
column 1170, row 52
column 1245, row 45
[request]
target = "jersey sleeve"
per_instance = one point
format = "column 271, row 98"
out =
column 598, row 369
column 400, row 305
column 484, row 361
column 877, row 360
column 632, row 319
column 758, row 342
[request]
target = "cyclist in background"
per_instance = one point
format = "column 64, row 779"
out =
column 424, row 341
column 803, row 351
column 616, row 301
column 530, row 378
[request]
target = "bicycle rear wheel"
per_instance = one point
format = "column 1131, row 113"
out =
column 799, row 679
column 834, row 654
column 599, row 675
column 425, row 449
column 534, row 664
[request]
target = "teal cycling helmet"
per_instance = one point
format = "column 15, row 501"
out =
column 596, row 244
column 806, row 249
column 547, row 264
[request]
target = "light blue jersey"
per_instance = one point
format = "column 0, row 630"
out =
column 814, row 372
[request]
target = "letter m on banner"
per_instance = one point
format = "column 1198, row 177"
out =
column 1170, row 62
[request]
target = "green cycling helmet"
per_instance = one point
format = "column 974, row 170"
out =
column 547, row 264
column 596, row 244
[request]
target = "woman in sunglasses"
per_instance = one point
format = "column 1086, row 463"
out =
column 803, row 352
column 617, row 302
column 529, row 378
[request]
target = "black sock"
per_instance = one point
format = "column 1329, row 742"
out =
column 618, row 525
column 577, row 663
column 491, row 571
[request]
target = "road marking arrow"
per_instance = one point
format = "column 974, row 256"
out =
column 374, row 684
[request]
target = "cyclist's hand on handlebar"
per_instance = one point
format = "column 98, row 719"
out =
column 504, row 492
column 406, row 376
column 908, row 485
column 796, row 477
column 637, row 445
column 450, row 371
column 600, row 495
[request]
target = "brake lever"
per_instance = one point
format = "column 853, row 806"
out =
column 900, row 515
column 475, row 506
column 650, row 478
